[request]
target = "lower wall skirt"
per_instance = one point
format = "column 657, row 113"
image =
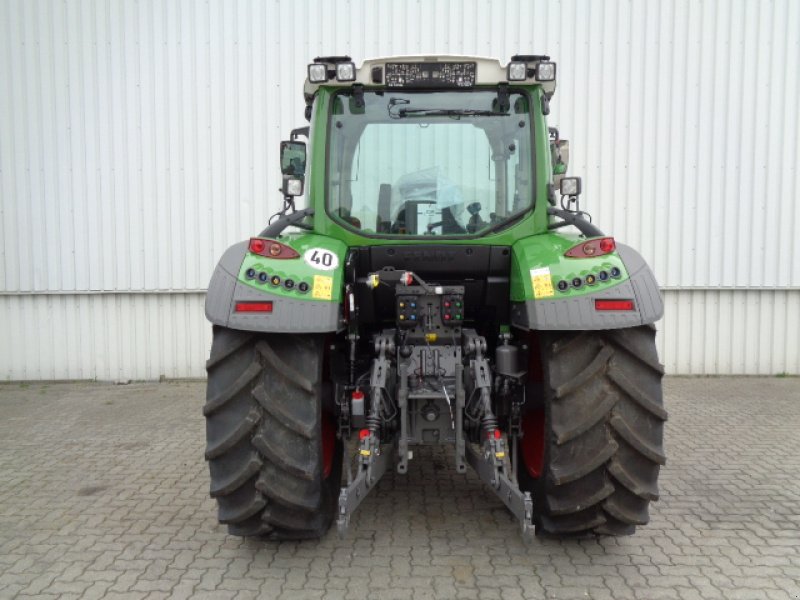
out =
column 147, row 336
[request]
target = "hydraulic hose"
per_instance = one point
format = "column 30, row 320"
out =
column 285, row 221
column 575, row 219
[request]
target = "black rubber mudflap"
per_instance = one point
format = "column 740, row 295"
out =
column 264, row 435
column 604, row 421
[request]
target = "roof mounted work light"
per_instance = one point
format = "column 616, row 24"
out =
column 517, row 71
column 317, row 73
column 345, row 71
column 545, row 71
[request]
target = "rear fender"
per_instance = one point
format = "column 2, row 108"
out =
column 243, row 277
column 538, row 265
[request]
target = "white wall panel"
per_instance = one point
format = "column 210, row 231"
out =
column 120, row 337
column 108, row 337
column 138, row 139
column 725, row 332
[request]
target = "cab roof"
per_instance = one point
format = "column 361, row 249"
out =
column 424, row 72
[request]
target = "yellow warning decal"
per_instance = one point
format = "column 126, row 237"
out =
column 542, row 283
column 323, row 287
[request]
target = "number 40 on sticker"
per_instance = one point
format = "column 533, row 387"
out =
column 321, row 259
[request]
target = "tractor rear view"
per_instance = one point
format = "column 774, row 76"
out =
column 442, row 287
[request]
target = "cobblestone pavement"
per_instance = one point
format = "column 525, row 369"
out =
column 103, row 494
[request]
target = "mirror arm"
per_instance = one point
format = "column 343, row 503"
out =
column 285, row 221
column 296, row 133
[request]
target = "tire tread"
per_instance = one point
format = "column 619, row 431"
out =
column 605, row 437
column 263, row 432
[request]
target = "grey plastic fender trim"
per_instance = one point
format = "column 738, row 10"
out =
column 287, row 316
column 223, row 283
column 580, row 314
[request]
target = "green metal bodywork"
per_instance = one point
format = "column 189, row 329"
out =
column 546, row 251
column 533, row 245
column 298, row 270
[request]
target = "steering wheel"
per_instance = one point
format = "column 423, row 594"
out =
column 448, row 223
column 432, row 226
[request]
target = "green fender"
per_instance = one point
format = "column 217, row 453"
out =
column 538, row 265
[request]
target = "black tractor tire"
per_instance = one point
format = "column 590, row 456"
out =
column 603, row 426
column 269, row 439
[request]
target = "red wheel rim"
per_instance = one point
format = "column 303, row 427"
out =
column 533, row 442
column 328, row 446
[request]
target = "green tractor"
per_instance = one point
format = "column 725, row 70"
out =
column 432, row 293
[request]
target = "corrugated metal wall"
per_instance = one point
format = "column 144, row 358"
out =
column 139, row 138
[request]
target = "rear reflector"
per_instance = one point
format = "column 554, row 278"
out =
column 254, row 307
column 614, row 305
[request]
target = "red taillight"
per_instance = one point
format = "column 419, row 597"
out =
column 607, row 245
column 614, row 305
column 265, row 307
column 271, row 249
column 591, row 248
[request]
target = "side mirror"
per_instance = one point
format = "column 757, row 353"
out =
column 293, row 158
column 560, row 158
column 293, row 167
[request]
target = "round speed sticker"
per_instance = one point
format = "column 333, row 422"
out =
column 321, row 259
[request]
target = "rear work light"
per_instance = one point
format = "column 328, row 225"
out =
column 263, row 307
column 592, row 248
column 517, row 71
column 614, row 305
column 317, row 73
column 546, row 71
column 345, row 71
column 271, row 249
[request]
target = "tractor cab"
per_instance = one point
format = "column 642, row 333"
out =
column 426, row 147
